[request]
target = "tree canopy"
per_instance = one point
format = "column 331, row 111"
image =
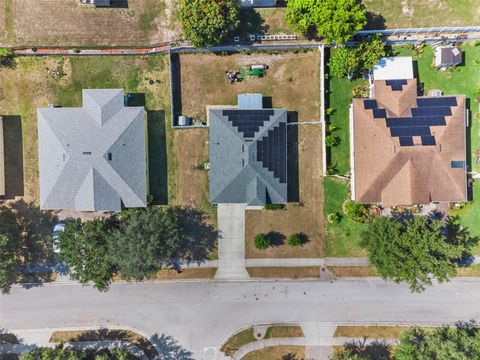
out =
column 460, row 343
column 334, row 20
column 84, row 248
column 10, row 247
column 61, row 353
column 417, row 250
column 352, row 61
column 144, row 240
column 208, row 22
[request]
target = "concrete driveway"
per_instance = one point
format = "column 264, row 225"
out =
column 231, row 242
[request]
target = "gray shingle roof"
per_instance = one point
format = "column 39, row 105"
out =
column 236, row 173
column 93, row 158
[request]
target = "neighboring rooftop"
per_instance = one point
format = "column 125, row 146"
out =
column 393, row 68
column 248, row 153
column 93, row 158
column 408, row 149
column 446, row 56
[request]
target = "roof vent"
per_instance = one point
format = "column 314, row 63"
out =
column 109, row 156
column 87, row 153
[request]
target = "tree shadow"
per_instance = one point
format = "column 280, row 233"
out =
column 304, row 239
column 13, row 155
column 135, row 99
column 119, row 4
column 293, row 183
column 36, row 226
column 199, row 238
column 9, row 338
column 374, row 350
column 157, row 157
column 275, row 238
column 375, row 21
column 251, row 23
column 169, row 349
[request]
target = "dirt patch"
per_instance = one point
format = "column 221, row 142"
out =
column 284, row 272
column 70, row 23
column 303, row 216
column 291, row 82
column 190, row 185
column 352, row 271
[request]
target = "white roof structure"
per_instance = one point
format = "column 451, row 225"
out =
column 394, row 68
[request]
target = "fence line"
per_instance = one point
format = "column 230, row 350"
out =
column 417, row 31
column 321, row 49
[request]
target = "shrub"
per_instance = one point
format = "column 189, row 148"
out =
column 262, row 242
column 356, row 212
column 294, row 240
column 334, row 218
column 331, row 141
column 274, row 207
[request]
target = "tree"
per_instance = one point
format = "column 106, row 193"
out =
column 334, row 20
column 6, row 57
column 332, row 140
column 61, row 353
column 461, row 343
column 144, row 240
column 262, row 242
column 84, row 248
column 208, row 22
column 417, row 250
column 352, row 61
column 10, row 248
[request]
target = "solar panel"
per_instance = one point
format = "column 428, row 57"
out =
column 457, row 164
column 379, row 113
column 410, row 131
column 437, row 101
column 432, row 111
column 406, row 141
column 369, row 104
column 396, row 85
column 428, row 141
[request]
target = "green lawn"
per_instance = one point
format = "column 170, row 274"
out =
column 339, row 99
column 422, row 13
column 341, row 239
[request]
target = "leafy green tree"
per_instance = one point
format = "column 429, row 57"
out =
column 53, row 354
column 417, row 250
column 262, row 242
column 10, row 249
column 334, row 20
column 208, row 22
column 6, row 57
column 352, row 61
column 332, row 140
column 145, row 239
column 84, row 248
column 460, row 343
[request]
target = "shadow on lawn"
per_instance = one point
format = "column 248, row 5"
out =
column 157, row 157
column 13, row 153
column 293, row 191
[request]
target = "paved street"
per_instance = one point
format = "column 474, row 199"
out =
column 199, row 315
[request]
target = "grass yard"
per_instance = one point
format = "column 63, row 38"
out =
column 353, row 271
column 421, row 13
column 341, row 239
column 70, row 23
column 266, row 21
column 276, row 352
column 371, row 332
column 339, row 99
column 281, row 331
column 30, row 85
column 304, row 272
column 238, row 340
column 291, row 82
column 303, row 214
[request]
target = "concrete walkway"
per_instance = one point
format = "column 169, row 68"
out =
column 231, row 242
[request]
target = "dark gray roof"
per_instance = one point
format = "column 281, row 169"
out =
column 93, row 158
column 450, row 56
column 248, row 165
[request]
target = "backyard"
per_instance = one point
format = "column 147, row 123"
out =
column 291, row 82
column 70, row 23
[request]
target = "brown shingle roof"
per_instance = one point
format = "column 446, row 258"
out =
column 385, row 172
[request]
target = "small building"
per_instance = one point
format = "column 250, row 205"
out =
column 392, row 68
column 447, row 56
column 407, row 149
column 248, row 153
column 257, row 3
column 93, row 158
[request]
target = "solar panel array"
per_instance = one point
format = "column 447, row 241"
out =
column 396, row 85
column 248, row 122
column 272, row 152
column 429, row 112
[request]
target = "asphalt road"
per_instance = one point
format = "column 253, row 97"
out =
column 199, row 315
